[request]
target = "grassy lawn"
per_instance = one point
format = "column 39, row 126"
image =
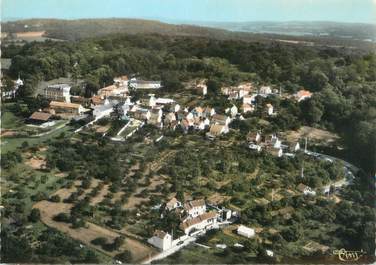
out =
column 10, row 122
column 198, row 255
column 12, row 143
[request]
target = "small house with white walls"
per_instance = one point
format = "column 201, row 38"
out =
column 104, row 110
column 248, row 108
column 208, row 112
column 202, row 222
column 173, row 204
column 152, row 101
column 295, row 147
column 245, row 231
column 164, row 101
column 275, row 142
column 216, row 130
column 201, row 88
column 255, row 147
column 249, row 99
column 269, row 109
column 161, row 240
column 142, row 84
column 277, row 152
column 265, row 91
column 195, row 207
column 302, row 95
column 306, row 190
column 233, row 111
column 220, row 119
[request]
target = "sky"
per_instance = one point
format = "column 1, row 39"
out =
column 195, row 10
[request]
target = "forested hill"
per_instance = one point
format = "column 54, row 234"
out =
column 86, row 28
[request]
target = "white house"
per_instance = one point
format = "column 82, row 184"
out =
column 295, row 147
column 202, row 88
column 249, row 99
column 217, row 130
column 265, row 90
column 276, row 142
column 174, row 107
column 152, row 101
column 205, row 221
column 198, row 111
column 233, row 111
column 142, row 84
column 208, row 112
column 185, row 125
column 221, row 119
column 195, row 208
column 255, row 147
column 245, row 231
column 306, row 190
column 269, row 109
column 248, row 108
column 278, row 152
column 189, row 116
column 164, row 101
column 170, row 117
column 173, row 204
column 12, row 93
column 302, row 95
column 100, row 111
column 161, row 240
column 199, row 123
column 121, row 81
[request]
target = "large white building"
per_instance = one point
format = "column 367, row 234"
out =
column 161, row 240
column 142, row 84
column 205, row 221
column 58, row 92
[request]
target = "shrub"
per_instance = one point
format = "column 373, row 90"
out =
column 62, row 217
column 34, row 215
column 55, row 198
column 125, row 256
column 99, row 241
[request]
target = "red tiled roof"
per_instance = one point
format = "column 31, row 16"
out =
column 41, row 116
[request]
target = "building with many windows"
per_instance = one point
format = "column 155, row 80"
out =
column 58, row 92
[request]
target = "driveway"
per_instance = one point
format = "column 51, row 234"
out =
column 170, row 251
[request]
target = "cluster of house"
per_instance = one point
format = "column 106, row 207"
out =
column 63, row 104
column 248, row 94
column 272, row 144
column 195, row 220
column 11, row 93
column 166, row 113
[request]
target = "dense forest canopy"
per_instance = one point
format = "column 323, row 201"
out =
column 343, row 80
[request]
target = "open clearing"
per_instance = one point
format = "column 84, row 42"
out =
column 48, row 210
column 311, row 133
column 36, row 163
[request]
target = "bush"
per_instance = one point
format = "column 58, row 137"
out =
column 62, row 217
column 99, row 241
column 55, row 198
column 34, row 215
column 125, row 256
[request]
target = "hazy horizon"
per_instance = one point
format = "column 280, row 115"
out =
column 205, row 11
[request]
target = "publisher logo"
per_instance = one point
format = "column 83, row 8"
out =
column 348, row 255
